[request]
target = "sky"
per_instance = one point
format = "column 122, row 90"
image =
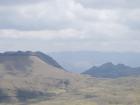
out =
column 70, row 25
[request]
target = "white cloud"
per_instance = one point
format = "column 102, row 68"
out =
column 110, row 4
column 45, row 34
column 104, row 25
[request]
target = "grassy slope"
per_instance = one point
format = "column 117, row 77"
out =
column 122, row 91
column 81, row 90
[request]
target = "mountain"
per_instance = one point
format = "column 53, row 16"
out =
column 9, row 55
column 109, row 70
column 81, row 60
column 26, row 75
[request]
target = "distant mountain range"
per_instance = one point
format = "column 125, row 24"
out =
column 109, row 70
column 82, row 60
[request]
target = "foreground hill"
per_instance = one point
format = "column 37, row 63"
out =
column 109, row 70
column 26, row 75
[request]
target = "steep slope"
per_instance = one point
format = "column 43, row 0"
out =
column 25, row 75
column 48, row 59
column 16, row 62
column 13, row 55
column 109, row 70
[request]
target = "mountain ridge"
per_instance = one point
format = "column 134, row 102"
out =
column 39, row 54
column 109, row 70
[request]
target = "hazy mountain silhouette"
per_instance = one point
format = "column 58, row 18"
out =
column 109, row 70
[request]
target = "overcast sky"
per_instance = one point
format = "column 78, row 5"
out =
column 70, row 25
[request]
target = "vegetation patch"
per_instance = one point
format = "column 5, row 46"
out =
column 25, row 95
